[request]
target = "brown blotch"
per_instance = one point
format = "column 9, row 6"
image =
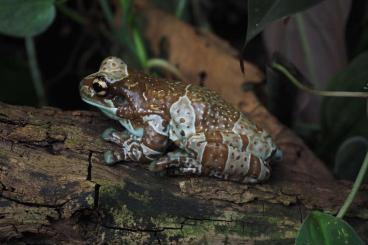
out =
column 214, row 157
column 245, row 142
column 214, row 137
column 254, row 167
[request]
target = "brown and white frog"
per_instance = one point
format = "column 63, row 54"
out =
column 210, row 136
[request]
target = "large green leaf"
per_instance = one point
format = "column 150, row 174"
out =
column 345, row 117
column 262, row 12
column 325, row 229
column 21, row 18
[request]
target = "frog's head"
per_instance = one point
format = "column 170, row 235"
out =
column 100, row 89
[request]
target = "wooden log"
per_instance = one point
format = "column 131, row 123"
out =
column 55, row 189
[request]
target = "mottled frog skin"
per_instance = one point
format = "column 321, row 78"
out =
column 211, row 137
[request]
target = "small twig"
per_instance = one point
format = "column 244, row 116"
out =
column 35, row 71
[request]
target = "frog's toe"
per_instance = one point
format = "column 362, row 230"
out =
column 110, row 157
column 159, row 165
column 108, row 134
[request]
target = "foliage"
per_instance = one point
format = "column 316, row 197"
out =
column 321, row 228
column 263, row 12
column 343, row 118
column 24, row 18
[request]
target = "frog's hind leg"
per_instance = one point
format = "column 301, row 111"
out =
column 228, row 155
column 177, row 163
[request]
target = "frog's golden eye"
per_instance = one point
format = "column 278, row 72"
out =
column 99, row 86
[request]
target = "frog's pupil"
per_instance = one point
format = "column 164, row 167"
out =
column 97, row 87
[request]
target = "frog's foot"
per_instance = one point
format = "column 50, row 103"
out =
column 112, row 157
column 115, row 136
column 177, row 163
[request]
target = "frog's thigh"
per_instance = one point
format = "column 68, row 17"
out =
column 177, row 162
column 226, row 155
column 114, row 136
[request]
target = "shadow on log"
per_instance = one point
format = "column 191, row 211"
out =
column 55, row 189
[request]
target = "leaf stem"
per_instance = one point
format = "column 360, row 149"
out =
column 108, row 14
column 35, row 71
column 354, row 190
column 301, row 86
column 164, row 64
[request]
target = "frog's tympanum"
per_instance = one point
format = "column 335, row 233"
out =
column 210, row 137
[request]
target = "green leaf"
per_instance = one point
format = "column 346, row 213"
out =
column 345, row 117
column 262, row 12
column 21, row 18
column 349, row 157
column 321, row 228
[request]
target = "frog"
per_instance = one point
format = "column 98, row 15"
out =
column 176, row 127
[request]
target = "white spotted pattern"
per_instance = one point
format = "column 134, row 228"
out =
column 113, row 69
column 182, row 123
column 237, row 161
column 260, row 145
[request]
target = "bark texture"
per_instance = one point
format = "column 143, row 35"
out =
column 54, row 188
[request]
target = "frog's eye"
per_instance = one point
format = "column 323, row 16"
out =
column 99, row 86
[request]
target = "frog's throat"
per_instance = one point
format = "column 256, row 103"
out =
column 111, row 113
column 108, row 111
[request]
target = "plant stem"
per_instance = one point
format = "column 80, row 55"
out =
column 180, row 8
column 140, row 49
column 107, row 12
column 118, row 34
column 306, row 47
column 72, row 14
column 35, row 71
column 301, row 86
column 354, row 190
column 164, row 64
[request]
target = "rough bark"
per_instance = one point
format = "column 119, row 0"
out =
column 55, row 189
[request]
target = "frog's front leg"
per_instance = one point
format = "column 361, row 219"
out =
column 177, row 162
column 143, row 149
column 115, row 136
